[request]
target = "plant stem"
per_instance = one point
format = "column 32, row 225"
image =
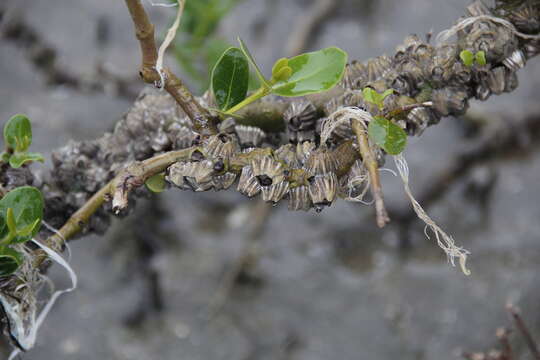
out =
column 371, row 164
column 262, row 92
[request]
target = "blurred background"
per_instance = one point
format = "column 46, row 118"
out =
column 219, row 276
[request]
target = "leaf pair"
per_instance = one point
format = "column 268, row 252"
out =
column 301, row 75
column 18, row 138
column 469, row 59
column 21, row 212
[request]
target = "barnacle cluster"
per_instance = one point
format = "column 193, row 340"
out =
column 278, row 154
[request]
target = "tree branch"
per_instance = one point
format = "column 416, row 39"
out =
column 144, row 31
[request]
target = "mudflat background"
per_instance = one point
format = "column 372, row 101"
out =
column 325, row 286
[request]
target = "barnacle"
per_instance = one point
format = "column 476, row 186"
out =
column 249, row 136
column 322, row 190
column 299, row 198
column 301, row 118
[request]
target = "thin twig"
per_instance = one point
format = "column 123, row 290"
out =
column 502, row 335
column 117, row 189
column 144, row 30
column 370, row 162
column 520, row 324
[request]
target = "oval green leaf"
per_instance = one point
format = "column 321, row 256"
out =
column 19, row 159
column 480, row 58
column 313, row 72
column 10, row 260
column 387, row 135
column 467, row 57
column 26, row 203
column 156, row 183
column 18, row 133
column 230, row 78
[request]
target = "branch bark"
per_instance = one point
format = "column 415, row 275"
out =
column 203, row 121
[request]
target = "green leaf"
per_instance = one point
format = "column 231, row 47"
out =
column 480, row 58
column 387, row 93
column 283, row 74
column 387, row 135
column 278, row 65
column 10, row 260
column 230, row 78
column 258, row 71
column 156, row 183
column 18, row 133
column 467, row 57
column 313, row 72
column 26, row 203
column 370, row 95
column 4, row 156
column 19, row 159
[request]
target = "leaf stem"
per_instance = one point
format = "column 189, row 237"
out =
column 262, row 92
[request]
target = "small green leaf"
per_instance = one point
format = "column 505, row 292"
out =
column 18, row 133
column 4, row 157
column 313, row 72
column 19, row 159
column 26, row 203
column 230, row 78
column 386, row 93
column 278, row 65
column 156, row 183
column 370, row 95
column 283, row 74
column 387, row 135
column 10, row 260
column 480, row 58
column 258, row 71
column 467, row 57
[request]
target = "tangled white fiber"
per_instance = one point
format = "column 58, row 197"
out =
column 445, row 241
column 447, row 34
column 171, row 33
column 27, row 332
column 343, row 116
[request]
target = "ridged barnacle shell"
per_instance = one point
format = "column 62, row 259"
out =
column 267, row 170
column 478, row 8
column 321, row 161
column 418, row 119
column 300, row 119
column 496, row 80
column 497, row 41
column 515, row 61
column 322, row 190
column 299, row 199
column 461, row 74
column 440, row 68
column 275, row 192
column 450, row 101
column 304, row 150
column 377, row 67
column 227, row 126
column 287, row 154
column 223, row 182
column 221, row 145
column 181, row 136
column 249, row 136
column 196, row 176
column 248, row 184
column 355, row 77
column 525, row 18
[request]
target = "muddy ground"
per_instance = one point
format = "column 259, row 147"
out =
column 325, row 286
